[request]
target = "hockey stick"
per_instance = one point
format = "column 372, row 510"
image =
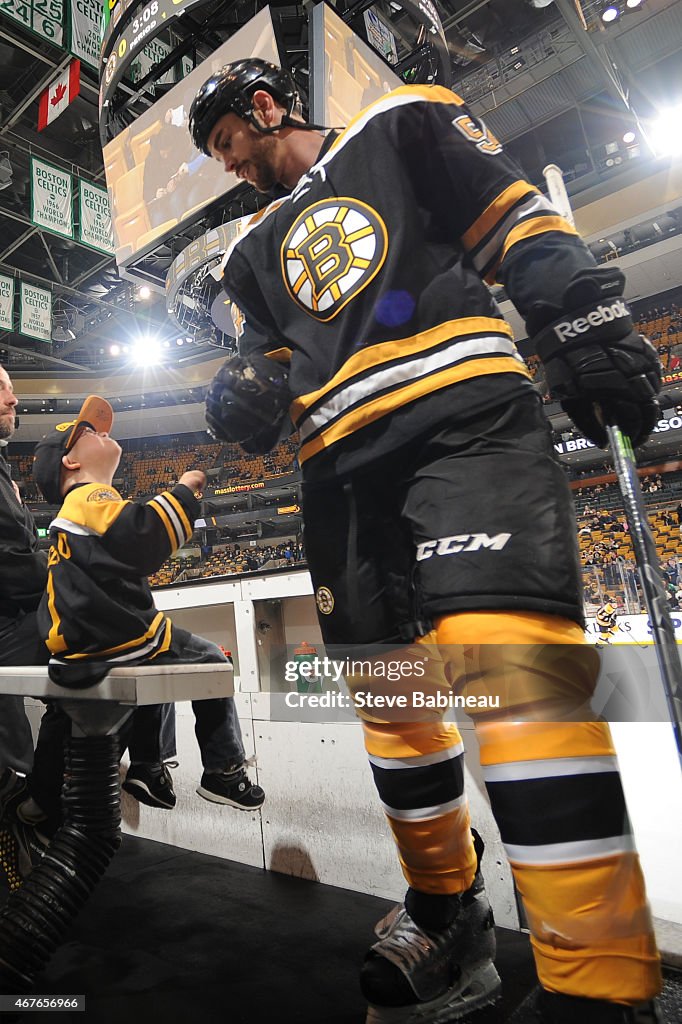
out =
column 646, row 557
column 651, row 577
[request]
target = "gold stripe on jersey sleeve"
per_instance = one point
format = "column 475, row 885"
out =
column 427, row 93
column 385, row 351
column 170, row 529
column 55, row 642
column 178, row 506
column 529, row 229
column 495, row 212
column 378, row 407
column 139, row 641
column 166, row 642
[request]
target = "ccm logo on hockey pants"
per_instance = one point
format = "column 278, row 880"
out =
column 461, row 542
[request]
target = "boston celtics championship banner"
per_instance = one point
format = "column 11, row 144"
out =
column 6, row 303
column 51, row 198
column 85, row 22
column 44, row 17
column 36, row 312
column 95, row 217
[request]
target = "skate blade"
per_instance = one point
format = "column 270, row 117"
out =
column 477, row 987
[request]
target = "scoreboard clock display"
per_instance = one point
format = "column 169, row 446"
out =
column 130, row 25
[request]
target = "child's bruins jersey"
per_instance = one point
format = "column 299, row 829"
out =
column 369, row 278
column 98, row 604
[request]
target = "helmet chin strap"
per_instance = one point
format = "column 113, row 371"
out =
column 288, row 122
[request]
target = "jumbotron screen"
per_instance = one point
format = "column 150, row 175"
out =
column 157, row 180
column 347, row 74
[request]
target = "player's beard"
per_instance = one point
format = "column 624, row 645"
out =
column 262, row 173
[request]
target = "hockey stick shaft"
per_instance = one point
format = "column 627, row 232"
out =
column 651, row 577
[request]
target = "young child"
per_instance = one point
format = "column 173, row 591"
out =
column 98, row 605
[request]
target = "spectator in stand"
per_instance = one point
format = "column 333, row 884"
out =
column 671, row 571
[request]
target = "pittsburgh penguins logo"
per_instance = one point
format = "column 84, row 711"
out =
column 331, row 252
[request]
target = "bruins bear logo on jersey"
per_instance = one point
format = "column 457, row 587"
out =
column 331, row 252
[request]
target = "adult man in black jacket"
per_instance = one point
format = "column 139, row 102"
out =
column 24, row 572
column 23, row 575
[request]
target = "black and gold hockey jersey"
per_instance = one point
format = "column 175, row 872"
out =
column 369, row 278
column 607, row 617
column 98, row 604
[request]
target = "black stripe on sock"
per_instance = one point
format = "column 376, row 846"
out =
column 421, row 786
column 561, row 809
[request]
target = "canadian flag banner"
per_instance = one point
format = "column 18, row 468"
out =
column 59, row 94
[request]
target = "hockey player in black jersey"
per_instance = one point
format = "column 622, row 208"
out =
column 607, row 623
column 435, row 510
column 98, row 606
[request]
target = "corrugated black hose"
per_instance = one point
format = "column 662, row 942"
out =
column 36, row 916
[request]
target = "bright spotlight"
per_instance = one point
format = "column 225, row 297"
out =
column 610, row 13
column 629, row 137
column 633, row 4
column 114, row 350
column 145, row 291
column 665, row 133
column 147, row 352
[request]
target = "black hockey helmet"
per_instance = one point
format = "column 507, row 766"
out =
column 232, row 89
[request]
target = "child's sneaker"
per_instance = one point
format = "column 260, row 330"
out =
column 234, row 788
column 151, row 784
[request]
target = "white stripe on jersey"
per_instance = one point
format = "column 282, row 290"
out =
column 136, row 653
column 172, row 514
column 534, row 204
column 68, row 527
column 401, row 374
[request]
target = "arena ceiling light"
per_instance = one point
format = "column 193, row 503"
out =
column 147, row 352
column 610, row 13
column 665, row 134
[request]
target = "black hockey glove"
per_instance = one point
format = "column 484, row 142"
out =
column 247, row 403
column 594, row 357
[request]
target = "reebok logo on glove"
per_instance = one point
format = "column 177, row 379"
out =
column 595, row 318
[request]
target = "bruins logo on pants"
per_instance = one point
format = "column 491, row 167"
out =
column 332, row 251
